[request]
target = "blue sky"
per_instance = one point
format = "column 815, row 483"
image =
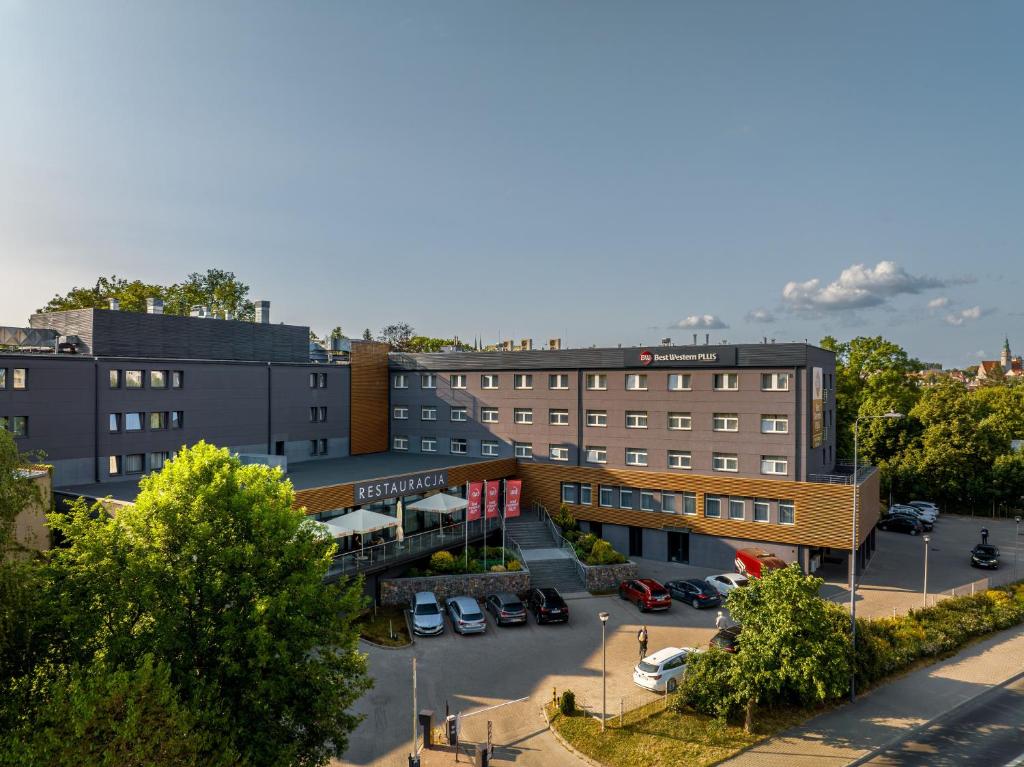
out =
column 604, row 172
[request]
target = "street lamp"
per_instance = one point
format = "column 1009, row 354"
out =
column 926, row 539
column 604, row 665
column 853, row 544
column 1016, row 543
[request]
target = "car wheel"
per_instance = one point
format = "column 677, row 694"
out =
column 639, row 605
column 694, row 605
column 672, row 685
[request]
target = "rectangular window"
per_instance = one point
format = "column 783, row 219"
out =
column 458, row 380
column 523, row 415
column 133, row 421
column 558, row 381
column 679, row 382
column 428, row 444
column 459, row 446
column 19, row 378
column 321, row 380
column 586, row 494
column 570, row 491
column 114, row 465
column 134, row 463
column 314, row 445
column 761, row 510
column 636, row 381
column 787, row 513
column 19, row 425
column 725, row 422
column 712, row 506
column 775, row 381
column 625, row 498
column 177, row 379
column 157, row 460
column 522, row 381
column 597, row 454
column 323, row 413
column 401, row 381
column 725, row 462
column 133, row 379
column 597, row 418
column 737, row 508
column 558, row 417
column 489, row 447
column 323, row 446
column 3, row 378
column 114, row 377
column 774, row 424
column 312, row 385
column 524, row 450
column 489, row 381
column 489, row 415
column 597, row 381
column 428, row 413
column 114, row 423
column 727, row 381
column 558, row 452
column 401, row 413
column 680, row 421
column 157, row 421
column 636, row 456
column 400, row 443
column 646, row 500
column 689, row 503
column 459, row 414
column 636, row 419
column 428, row 381
column 679, row 459
column 177, row 419
column 606, row 496
column 314, row 415
column 774, row 464
column 668, row 503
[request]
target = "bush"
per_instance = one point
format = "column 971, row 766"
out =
column 706, row 687
column 513, row 566
column 498, row 569
column 564, row 519
column 443, row 562
column 603, row 554
column 567, row 703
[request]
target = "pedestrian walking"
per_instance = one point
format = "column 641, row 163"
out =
column 720, row 621
column 641, row 637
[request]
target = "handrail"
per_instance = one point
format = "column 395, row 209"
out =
column 562, row 542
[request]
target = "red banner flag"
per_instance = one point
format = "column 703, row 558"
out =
column 492, row 500
column 513, row 493
column 476, row 490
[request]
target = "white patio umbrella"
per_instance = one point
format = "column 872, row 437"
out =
column 362, row 521
column 439, row 503
column 333, row 529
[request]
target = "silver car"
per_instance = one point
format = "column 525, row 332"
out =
column 427, row 619
column 466, row 615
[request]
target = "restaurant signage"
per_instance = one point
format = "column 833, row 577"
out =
column 395, row 487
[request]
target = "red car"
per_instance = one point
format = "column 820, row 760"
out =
column 646, row 594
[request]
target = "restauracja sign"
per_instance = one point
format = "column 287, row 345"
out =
column 394, row 487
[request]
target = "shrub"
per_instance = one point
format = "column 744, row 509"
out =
column 443, row 562
column 567, row 703
column 602, row 553
column 513, row 566
column 706, row 688
column 498, row 569
column 564, row 519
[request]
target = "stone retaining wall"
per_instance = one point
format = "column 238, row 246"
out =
column 608, row 577
column 399, row 591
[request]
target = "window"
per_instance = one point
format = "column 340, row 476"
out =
column 679, row 382
column 774, row 464
column 680, row 421
column 586, row 494
column 489, row 415
column 774, row 424
column 19, row 425
column 725, row 462
column 157, row 460
column 787, row 513
column 761, row 509
column 625, row 498
column 558, row 381
column 401, row 413
column 428, row 444
column 401, row 381
column 459, row 414
column 570, row 491
column 725, row 422
column 636, row 456
column 597, row 381
column 737, row 508
column 488, row 447
column 727, row 381
column 321, row 380
column 597, row 418
column 679, row 459
column 558, row 417
column 689, row 503
column 522, row 415
column 636, row 419
column 157, row 421
column 323, row 446
column 712, row 506
column 114, row 465
column 115, row 423
column 489, row 381
column 596, row 454
column 19, row 378
column 133, row 379
column 523, row 450
column 428, row 413
column 459, row 446
column 668, row 503
column 522, row 381
column 178, row 379
column 558, row 452
column 428, row 381
column 134, row 463
column 606, row 496
column 133, row 421
column 177, row 419
column 312, row 385
column 458, row 380
column 400, row 443
column 114, row 377
column 314, row 415
column 646, row 500
column 636, row 381
column 775, row 381
column 3, row 378
column 314, row 447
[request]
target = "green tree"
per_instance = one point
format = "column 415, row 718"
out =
column 398, row 336
column 367, row 335
column 131, row 295
column 337, row 332
column 428, row 344
column 218, row 289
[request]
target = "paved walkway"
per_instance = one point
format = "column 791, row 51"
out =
column 885, row 715
column 537, row 555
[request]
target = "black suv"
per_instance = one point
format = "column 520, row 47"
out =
column 727, row 640
column 547, row 606
column 900, row 524
column 985, row 555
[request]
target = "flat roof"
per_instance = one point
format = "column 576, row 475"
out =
column 307, row 474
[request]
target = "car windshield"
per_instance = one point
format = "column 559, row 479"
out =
column 987, row 551
column 649, row 668
column 426, row 608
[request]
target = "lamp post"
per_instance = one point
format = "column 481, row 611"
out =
column 1016, row 542
column 604, row 665
column 853, row 543
column 926, row 539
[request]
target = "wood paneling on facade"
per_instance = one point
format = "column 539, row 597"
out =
column 822, row 511
column 369, row 398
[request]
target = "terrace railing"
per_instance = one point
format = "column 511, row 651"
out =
column 844, row 474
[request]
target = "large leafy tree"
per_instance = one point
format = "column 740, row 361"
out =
column 398, row 335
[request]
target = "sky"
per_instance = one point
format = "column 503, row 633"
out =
column 607, row 173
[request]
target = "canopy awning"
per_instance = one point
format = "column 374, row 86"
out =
column 440, row 503
column 361, row 522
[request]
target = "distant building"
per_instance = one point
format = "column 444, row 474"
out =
column 1009, row 365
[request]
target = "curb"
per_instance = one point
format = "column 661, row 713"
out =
column 385, row 646
column 565, row 744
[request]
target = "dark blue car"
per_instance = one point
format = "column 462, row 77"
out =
column 694, row 592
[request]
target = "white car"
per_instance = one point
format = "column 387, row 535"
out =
column 726, row 582
column 662, row 671
column 926, row 514
column 925, row 505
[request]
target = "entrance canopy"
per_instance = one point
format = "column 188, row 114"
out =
column 359, row 522
column 440, row 503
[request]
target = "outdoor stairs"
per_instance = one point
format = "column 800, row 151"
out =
column 549, row 564
column 530, row 533
column 558, row 573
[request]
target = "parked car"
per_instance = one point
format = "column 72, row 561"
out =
column 646, row 594
column 506, row 608
column 694, row 592
column 925, row 515
column 663, row 670
column 727, row 640
column 925, row 505
column 465, row 615
column 899, row 523
column 547, row 606
column 726, row 582
column 755, row 562
column 910, row 513
column 427, row 619
column 985, row 555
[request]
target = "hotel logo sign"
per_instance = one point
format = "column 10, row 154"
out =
column 395, row 487
column 692, row 356
column 646, row 358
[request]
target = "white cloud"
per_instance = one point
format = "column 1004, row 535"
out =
column 760, row 314
column 706, row 321
column 858, row 287
column 965, row 315
column 938, row 303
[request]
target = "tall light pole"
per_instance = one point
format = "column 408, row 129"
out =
column 1016, row 542
column 604, row 665
column 926, row 539
column 853, row 544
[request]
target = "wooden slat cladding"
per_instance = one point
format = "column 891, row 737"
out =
column 319, row 499
column 822, row 511
column 369, row 398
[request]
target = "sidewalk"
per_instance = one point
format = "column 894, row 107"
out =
column 888, row 712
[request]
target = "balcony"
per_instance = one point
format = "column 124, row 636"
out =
column 843, row 474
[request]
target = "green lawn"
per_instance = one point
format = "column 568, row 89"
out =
column 374, row 627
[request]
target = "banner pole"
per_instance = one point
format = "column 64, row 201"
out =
column 465, row 523
column 483, row 517
column 504, row 511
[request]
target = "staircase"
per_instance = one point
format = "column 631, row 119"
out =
column 550, row 565
column 530, row 533
column 558, row 573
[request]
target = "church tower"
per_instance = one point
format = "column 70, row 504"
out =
column 1004, row 357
